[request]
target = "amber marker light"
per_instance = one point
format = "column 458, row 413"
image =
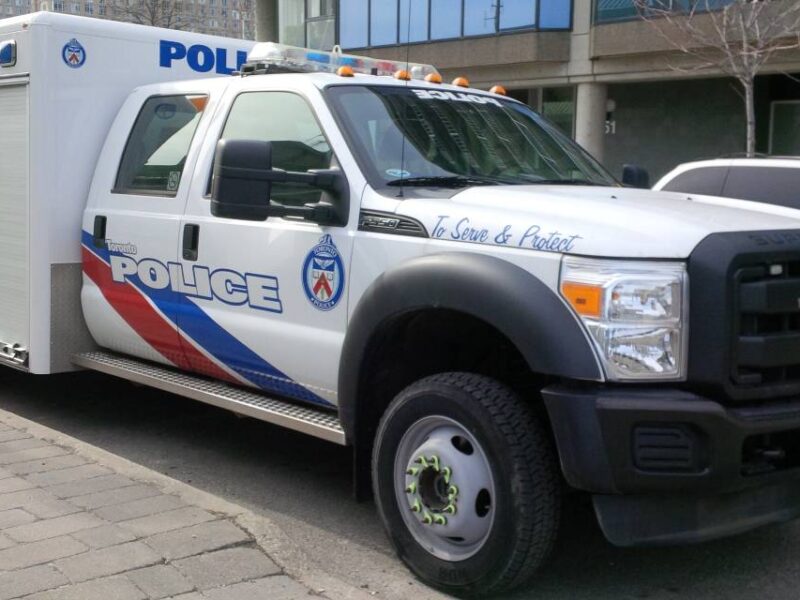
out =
column 402, row 75
column 199, row 102
column 345, row 72
column 433, row 78
column 587, row 300
column 461, row 82
column 499, row 90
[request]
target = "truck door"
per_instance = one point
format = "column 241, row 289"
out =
column 130, row 237
column 14, row 259
column 266, row 301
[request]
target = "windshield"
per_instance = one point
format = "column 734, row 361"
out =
column 413, row 136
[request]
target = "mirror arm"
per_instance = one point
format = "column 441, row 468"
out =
column 318, row 213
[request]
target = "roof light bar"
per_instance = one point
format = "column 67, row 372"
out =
column 303, row 60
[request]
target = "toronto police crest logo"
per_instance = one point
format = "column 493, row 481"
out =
column 73, row 53
column 323, row 274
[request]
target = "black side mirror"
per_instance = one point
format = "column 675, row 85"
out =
column 243, row 179
column 635, row 176
column 238, row 191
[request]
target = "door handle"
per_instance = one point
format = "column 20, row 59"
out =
column 99, row 233
column 191, row 239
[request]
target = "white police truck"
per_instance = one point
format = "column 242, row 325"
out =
column 429, row 273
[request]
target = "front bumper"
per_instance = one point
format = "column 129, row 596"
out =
column 667, row 466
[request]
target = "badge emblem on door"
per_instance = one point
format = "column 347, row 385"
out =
column 323, row 274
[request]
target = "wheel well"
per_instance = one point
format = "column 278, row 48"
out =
column 421, row 343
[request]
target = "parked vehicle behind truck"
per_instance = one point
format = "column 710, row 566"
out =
column 428, row 273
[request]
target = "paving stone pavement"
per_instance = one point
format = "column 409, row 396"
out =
column 74, row 528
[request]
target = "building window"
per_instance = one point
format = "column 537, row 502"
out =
column 321, row 33
column 364, row 23
column 291, row 22
column 320, row 8
column 353, row 23
column 320, row 24
column 382, row 22
column 555, row 15
column 88, row 8
column 623, row 10
column 479, row 17
column 514, row 14
column 442, row 29
column 413, row 21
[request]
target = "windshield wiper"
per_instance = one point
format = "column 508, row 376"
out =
column 449, row 181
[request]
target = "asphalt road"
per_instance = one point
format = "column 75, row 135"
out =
column 305, row 486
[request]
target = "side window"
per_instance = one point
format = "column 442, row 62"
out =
column 154, row 156
column 706, row 180
column 773, row 185
column 298, row 144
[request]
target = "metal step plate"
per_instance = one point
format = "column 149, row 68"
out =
column 319, row 423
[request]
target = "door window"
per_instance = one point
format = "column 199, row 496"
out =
column 298, row 144
column 155, row 154
column 706, row 180
column 773, row 185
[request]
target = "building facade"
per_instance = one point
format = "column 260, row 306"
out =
column 228, row 18
column 592, row 66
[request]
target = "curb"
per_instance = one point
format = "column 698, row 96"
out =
column 268, row 536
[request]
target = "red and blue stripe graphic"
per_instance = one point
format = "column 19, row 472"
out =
column 184, row 334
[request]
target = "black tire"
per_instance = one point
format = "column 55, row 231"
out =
column 523, row 466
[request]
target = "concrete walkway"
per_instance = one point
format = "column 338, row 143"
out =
column 78, row 523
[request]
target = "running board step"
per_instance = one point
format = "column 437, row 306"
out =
column 319, row 423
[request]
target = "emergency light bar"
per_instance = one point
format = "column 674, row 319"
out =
column 302, row 60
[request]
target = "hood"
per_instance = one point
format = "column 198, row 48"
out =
column 591, row 221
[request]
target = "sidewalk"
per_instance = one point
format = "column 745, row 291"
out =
column 78, row 523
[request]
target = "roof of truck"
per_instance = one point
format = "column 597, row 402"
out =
column 100, row 27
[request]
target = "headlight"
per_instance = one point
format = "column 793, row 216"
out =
column 635, row 313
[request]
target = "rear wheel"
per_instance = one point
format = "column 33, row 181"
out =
column 466, row 484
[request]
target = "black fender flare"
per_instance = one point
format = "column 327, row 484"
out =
column 530, row 314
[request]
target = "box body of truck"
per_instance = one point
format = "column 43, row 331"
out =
column 61, row 85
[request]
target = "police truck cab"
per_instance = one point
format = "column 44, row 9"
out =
column 429, row 273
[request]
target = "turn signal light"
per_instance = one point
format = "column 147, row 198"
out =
column 587, row 300
column 345, row 72
column 402, row 75
column 461, row 82
column 433, row 78
column 499, row 90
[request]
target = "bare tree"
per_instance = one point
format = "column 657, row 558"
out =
column 736, row 37
column 171, row 14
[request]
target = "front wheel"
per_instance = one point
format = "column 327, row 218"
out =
column 466, row 484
